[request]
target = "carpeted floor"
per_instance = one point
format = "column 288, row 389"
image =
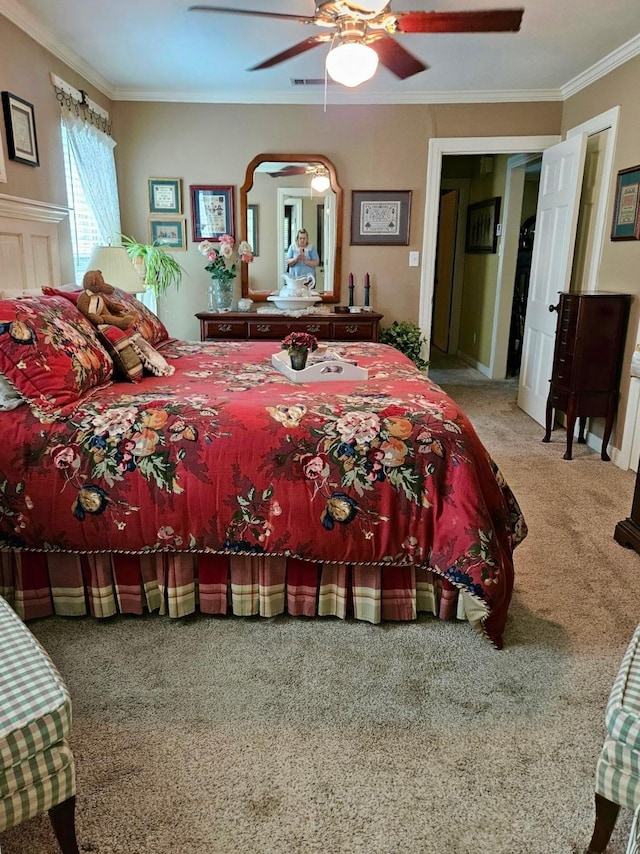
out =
column 294, row 736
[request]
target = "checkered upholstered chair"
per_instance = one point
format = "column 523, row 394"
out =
column 618, row 767
column 37, row 771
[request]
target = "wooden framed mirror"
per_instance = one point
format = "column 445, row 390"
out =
column 276, row 200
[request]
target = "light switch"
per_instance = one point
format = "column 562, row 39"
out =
column 414, row 259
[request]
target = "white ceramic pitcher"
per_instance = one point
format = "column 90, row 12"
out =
column 299, row 286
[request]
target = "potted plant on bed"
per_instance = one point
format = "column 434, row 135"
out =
column 158, row 269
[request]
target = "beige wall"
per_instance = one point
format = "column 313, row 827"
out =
column 620, row 259
column 25, row 69
column 381, row 147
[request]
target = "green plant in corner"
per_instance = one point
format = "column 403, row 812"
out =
column 406, row 337
column 161, row 270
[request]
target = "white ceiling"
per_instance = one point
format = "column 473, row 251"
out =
column 156, row 50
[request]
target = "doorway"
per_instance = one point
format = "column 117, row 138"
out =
column 514, row 145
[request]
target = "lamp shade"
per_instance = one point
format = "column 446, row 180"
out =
column 351, row 63
column 117, row 268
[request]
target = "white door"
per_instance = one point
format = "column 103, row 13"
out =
column 556, row 221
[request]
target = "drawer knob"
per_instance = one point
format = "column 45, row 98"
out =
column 352, row 329
column 263, row 327
column 224, row 327
column 313, row 327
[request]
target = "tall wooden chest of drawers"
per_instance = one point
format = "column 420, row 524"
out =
column 587, row 360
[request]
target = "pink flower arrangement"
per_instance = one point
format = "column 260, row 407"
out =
column 222, row 261
column 300, row 341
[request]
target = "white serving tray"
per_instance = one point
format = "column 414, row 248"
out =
column 328, row 371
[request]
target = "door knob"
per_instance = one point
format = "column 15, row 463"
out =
column 554, row 307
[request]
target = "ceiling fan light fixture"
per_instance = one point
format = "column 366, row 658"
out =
column 351, row 63
column 373, row 6
column 320, row 183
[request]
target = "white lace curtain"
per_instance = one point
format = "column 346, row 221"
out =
column 93, row 154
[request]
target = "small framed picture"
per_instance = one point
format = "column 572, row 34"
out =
column 482, row 221
column 211, row 212
column 21, row 129
column 252, row 228
column 165, row 196
column 380, row 218
column 626, row 221
column 168, row 233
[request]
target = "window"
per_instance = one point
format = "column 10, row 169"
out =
column 85, row 233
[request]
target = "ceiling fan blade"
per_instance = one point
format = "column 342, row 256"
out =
column 287, row 171
column 396, row 58
column 486, row 21
column 303, row 19
column 290, row 52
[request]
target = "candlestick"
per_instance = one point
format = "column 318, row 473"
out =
column 350, row 289
column 366, row 289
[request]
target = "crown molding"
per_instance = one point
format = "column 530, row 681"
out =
column 609, row 63
column 41, row 34
column 317, row 96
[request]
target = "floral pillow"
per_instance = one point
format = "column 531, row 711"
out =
column 71, row 292
column 49, row 352
column 147, row 323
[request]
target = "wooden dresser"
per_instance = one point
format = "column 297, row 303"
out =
column 587, row 360
column 255, row 325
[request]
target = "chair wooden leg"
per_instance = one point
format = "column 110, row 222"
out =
column 606, row 815
column 63, row 821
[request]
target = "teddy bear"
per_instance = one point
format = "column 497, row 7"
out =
column 95, row 304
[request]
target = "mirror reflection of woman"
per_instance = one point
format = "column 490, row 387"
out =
column 302, row 256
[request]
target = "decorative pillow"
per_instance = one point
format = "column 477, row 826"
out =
column 49, row 352
column 9, row 397
column 70, row 292
column 118, row 344
column 147, row 324
column 153, row 361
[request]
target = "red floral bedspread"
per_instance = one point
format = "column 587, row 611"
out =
column 228, row 455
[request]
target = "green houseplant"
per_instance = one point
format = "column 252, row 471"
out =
column 406, row 337
column 161, row 270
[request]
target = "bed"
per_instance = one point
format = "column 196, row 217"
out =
column 226, row 488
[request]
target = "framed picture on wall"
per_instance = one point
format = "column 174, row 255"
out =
column 626, row 221
column 380, row 217
column 168, row 233
column 211, row 212
column 482, row 221
column 165, row 196
column 20, row 125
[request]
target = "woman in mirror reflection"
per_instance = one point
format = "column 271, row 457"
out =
column 302, row 257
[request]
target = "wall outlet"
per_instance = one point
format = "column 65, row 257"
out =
column 414, row 259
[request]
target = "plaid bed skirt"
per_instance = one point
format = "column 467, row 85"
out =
column 41, row 584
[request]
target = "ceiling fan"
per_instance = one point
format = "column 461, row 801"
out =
column 363, row 30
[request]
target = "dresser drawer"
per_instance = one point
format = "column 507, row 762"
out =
column 319, row 327
column 211, row 329
column 355, row 330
